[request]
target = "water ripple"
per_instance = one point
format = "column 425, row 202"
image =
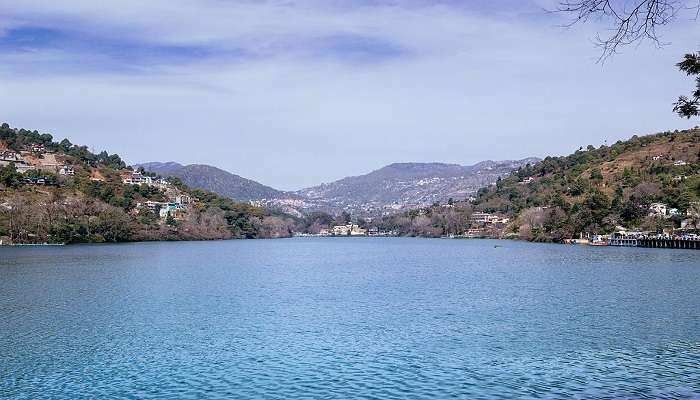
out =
column 342, row 319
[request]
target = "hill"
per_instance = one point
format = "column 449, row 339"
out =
column 645, row 184
column 58, row 192
column 406, row 185
column 387, row 190
column 215, row 180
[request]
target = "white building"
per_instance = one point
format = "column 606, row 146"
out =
column 66, row 170
column 486, row 218
column 23, row 167
column 349, row 229
column 10, row 156
column 133, row 178
column 679, row 178
column 183, row 199
column 658, row 210
column 161, row 183
column 169, row 209
column 38, row 148
column 474, row 233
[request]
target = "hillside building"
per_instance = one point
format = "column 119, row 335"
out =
column 349, row 230
column 658, row 210
column 486, row 218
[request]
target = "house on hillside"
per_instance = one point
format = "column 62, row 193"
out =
column 23, row 167
column 679, row 178
column 161, row 183
column 679, row 163
column 183, row 199
column 174, row 210
column 7, row 157
column 480, row 218
column 133, row 178
column 37, row 148
column 66, row 171
column 486, row 218
column 168, row 209
column 658, row 210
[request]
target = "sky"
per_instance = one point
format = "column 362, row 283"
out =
column 295, row 93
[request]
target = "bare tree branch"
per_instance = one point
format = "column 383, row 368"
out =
column 632, row 20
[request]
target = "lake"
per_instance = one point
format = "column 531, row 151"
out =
column 341, row 318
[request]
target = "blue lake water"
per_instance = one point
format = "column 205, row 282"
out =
column 340, row 318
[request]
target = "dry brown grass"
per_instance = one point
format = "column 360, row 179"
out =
column 681, row 148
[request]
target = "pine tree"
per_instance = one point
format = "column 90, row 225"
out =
column 688, row 106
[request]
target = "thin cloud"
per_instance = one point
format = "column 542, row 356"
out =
column 296, row 93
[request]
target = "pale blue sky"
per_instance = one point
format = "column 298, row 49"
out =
column 295, row 93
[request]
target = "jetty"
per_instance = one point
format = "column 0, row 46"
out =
column 670, row 243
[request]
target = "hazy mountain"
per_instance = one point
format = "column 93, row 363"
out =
column 216, row 180
column 405, row 185
column 161, row 168
column 388, row 189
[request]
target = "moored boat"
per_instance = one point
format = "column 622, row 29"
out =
column 598, row 240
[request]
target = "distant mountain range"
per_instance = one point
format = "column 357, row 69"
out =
column 407, row 185
column 389, row 189
column 216, row 180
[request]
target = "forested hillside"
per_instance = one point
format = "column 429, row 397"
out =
column 647, row 183
column 58, row 192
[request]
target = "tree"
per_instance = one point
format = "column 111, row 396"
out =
column 65, row 144
column 170, row 220
column 578, row 187
column 688, row 106
column 9, row 177
column 598, row 204
column 633, row 21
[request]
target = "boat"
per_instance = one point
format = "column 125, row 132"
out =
column 598, row 241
